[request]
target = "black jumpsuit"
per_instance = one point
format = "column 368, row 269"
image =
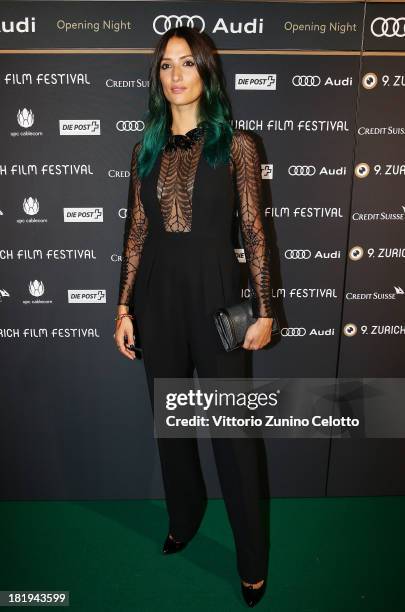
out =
column 178, row 267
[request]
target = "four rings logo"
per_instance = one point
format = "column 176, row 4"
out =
column 388, row 26
column 130, row 126
column 306, row 80
column 297, row 254
column 301, row 170
column 293, row 332
column 162, row 23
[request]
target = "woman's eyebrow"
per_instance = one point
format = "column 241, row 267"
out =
column 182, row 57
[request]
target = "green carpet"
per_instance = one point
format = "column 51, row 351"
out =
column 326, row 555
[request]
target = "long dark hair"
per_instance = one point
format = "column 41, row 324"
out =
column 214, row 106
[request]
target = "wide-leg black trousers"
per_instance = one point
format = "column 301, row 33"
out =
column 178, row 334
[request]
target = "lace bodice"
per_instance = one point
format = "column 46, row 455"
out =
column 174, row 191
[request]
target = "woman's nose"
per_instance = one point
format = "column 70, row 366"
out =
column 176, row 74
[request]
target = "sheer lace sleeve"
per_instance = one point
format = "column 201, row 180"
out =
column 246, row 165
column 135, row 232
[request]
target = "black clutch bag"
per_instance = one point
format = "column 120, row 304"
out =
column 233, row 321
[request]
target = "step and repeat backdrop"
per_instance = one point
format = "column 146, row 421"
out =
column 323, row 86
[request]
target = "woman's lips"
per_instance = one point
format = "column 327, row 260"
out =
column 178, row 89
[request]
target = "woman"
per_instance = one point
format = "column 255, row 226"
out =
column 179, row 266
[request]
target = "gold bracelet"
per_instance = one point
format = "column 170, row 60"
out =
column 124, row 314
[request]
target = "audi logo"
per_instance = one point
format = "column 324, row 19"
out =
column 306, row 80
column 293, row 332
column 301, row 170
column 297, row 254
column 130, row 126
column 162, row 23
column 388, row 26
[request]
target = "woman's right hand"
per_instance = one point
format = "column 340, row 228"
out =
column 124, row 333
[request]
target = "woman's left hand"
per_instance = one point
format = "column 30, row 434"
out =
column 258, row 334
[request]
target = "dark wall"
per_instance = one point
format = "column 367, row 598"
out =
column 75, row 415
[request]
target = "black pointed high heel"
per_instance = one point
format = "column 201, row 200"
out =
column 172, row 546
column 253, row 596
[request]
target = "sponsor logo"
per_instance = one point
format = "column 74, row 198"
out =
column 3, row 294
column 20, row 27
column 369, row 80
column 293, row 332
column 301, row 170
column 162, row 23
column 83, row 215
column 362, row 170
column 86, row 296
column 130, row 126
column 25, row 118
column 375, row 295
column 30, row 206
column 297, row 254
column 307, row 254
column 350, row 330
column 356, row 253
column 240, row 255
column 388, row 27
column 256, row 81
column 36, row 288
column 267, row 171
column 306, row 80
column 79, row 127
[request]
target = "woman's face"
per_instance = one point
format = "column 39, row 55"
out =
column 179, row 76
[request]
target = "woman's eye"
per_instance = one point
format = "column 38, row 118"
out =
column 190, row 62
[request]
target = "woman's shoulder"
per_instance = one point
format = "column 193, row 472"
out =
column 243, row 137
column 243, row 143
